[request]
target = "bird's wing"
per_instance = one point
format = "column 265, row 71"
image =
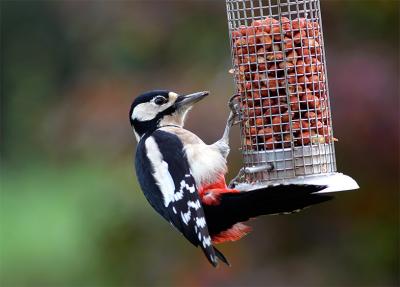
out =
column 166, row 180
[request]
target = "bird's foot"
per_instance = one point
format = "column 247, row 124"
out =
column 234, row 106
column 237, row 179
column 233, row 119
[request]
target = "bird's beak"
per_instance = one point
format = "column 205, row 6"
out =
column 190, row 100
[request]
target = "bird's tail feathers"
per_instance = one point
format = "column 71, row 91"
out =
column 237, row 207
column 213, row 254
column 275, row 200
column 221, row 256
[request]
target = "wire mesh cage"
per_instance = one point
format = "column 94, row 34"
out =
column 279, row 69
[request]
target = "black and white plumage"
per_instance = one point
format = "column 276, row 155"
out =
column 172, row 191
column 183, row 178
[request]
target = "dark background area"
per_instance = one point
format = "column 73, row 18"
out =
column 71, row 211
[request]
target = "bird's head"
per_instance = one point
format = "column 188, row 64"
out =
column 160, row 108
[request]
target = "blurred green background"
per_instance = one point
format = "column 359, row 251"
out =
column 70, row 208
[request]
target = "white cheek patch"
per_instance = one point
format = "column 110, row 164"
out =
column 148, row 111
column 145, row 111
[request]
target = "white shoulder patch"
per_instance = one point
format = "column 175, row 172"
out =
column 161, row 174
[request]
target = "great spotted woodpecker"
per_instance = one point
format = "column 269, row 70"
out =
column 184, row 179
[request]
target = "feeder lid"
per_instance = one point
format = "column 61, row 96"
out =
column 334, row 181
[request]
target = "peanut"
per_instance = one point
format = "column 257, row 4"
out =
column 270, row 143
column 265, row 132
column 255, row 112
column 288, row 43
column 303, row 51
column 248, row 143
column 286, row 117
column 264, row 28
column 262, row 51
column 256, row 23
column 316, row 83
column 272, row 111
column 299, row 36
column 310, row 101
column 261, row 67
column 288, row 65
column 305, row 125
column 324, row 130
column 291, row 78
column 236, row 34
column 276, row 123
column 300, row 68
column 272, row 83
column 277, row 56
column 253, row 131
column 292, row 57
column 304, row 80
column 310, row 43
column 299, row 23
column 293, row 89
column 242, row 29
column 263, row 91
column 310, row 115
column 287, row 139
column 256, row 95
column 305, row 138
column 241, row 42
column 260, row 121
column 264, row 39
column 273, row 70
column 296, row 126
column 276, row 30
column 294, row 103
column 267, row 102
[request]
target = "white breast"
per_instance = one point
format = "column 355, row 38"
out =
column 205, row 161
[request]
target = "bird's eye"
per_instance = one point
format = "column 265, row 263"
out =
column 160, row 100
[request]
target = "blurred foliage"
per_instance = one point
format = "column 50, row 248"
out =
column 70, row 209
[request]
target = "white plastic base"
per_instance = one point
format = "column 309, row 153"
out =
column 334, row 181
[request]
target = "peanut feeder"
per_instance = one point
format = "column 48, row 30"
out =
column 279, row 69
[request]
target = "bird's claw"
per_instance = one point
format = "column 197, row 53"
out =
column 237, row 179
column 234, row 103
column 235, row 122
column 235, row 109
